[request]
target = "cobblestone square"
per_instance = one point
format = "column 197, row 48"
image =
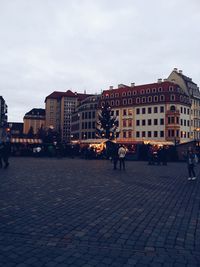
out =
column 75, row 212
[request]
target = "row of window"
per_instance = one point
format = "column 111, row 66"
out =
column 158, row 134
column 89, row 125
column 149, row 110
column 135, row 92
column 88, row 115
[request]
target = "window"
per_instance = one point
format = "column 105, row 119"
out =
column 130, row 112
column 149, row 110
column 155, row 98
column 129, row 93
column 138, row 122
column 124, row 123
column 143, row 99
column 162, row 98
column 159, row 89
column 124, row 101
column 161, row 121
column 149, row 133
column 155, row 121
column 129, row 123
column 155, row 109
column 116, row 94
column 112, row 103
column 149, row 121
column 124, row 112
column 181, row 109
column 155, row 134
column 149, row 99
column 143, row 134
column 143, row 110
column 137, row 111
column 137, row 100
column 161, row 133
column 124, row 134
column 143, row 122
column 137, row 134
column 117, row 102
column 172, row 97
column 130, row 101
column 124, row 94
column 161, row 109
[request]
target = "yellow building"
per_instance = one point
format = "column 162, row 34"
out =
column 35, row 118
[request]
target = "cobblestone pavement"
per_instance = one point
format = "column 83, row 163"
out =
column 73, row 212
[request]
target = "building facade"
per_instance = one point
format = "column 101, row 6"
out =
column 192, row 90
column 3, row 117
column 35, row 118
column 84, row 119
column 157, row 112
column 59, row 107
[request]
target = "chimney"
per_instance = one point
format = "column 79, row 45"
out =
column 180, row 71
column 132, row 84
column 165, row 80
column 121, row 85
column 175, row 69
column 159, row 80
column 111, row 87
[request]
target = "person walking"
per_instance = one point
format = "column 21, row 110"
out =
column 121, row 154
column 114, row 155
column 191, row 161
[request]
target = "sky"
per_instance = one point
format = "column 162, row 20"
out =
column 89, row 45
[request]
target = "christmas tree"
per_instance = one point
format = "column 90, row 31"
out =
column 107, row 124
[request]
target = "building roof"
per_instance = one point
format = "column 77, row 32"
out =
column 165, row 85
column 68, row 93
column 36, row 112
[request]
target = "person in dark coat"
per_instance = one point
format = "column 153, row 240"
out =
column 114, row 155
column 191, row 164
column 4, row 154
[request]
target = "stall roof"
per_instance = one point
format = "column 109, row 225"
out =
column 26, row 140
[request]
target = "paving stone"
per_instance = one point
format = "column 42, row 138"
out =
column 74, row 212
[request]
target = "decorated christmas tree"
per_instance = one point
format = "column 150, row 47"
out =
column 107, row 124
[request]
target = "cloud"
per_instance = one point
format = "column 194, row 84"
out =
column 86, row 44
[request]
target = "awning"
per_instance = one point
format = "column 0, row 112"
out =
column 26, row 140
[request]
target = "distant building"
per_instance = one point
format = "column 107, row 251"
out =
column 84, row 119
column 157, row 112
column 35, row 118
column 3, row 117
column 192, row 90
column 59, row 107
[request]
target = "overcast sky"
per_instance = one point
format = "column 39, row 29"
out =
column 49, row 45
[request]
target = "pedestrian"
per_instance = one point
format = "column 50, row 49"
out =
column 121, row 154
column 191, row 161
column 114, row 155
column 4, row 153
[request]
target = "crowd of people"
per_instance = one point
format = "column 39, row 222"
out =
column 115, row 152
